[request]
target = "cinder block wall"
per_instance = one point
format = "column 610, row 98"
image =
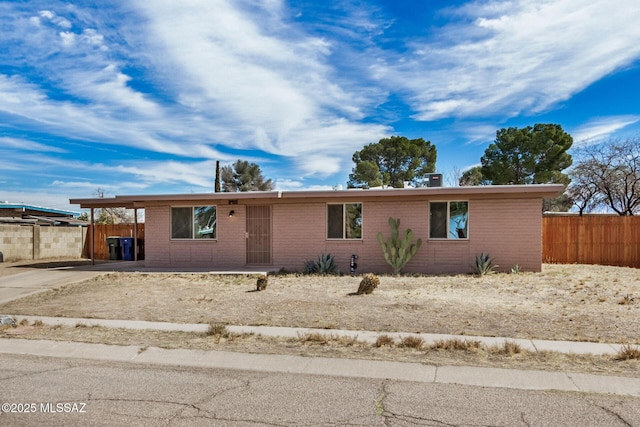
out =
column 61, row 242
column 20, row 242
column 16, row 242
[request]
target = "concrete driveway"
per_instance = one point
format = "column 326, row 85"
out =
column 18, row 280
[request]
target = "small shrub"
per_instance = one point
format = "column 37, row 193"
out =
column 261, row 283
column 38, row 323
column 345, row 340
column 411, row 342
column 368, row 283
column 457, row 344
column 626, row 300
column 484, row 265
column 324, row 265
column 516, row 269
column 310, row 267
column 385, row 340
column 313, row 338
column 508, row 348
column 628, row 352
column 217, row 330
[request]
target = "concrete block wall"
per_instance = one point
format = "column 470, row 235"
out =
column 31, row 242
column 61, row 242
column 16, row 242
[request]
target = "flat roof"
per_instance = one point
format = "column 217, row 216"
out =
column 498, row 191
column 23, row 208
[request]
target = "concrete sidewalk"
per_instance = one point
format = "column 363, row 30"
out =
column 365, row 336
column 415, row 372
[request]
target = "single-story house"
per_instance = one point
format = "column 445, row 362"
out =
column 284, row 229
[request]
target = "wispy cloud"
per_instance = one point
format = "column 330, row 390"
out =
column 27, row 145
column 600, row 129
column 237, row 75
column 513, row 57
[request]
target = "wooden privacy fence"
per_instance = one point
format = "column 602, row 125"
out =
column 591, row 239
column 102, row 231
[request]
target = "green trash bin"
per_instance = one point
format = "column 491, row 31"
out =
column 113, row 243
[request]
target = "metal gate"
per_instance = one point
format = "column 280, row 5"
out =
column 258, row 235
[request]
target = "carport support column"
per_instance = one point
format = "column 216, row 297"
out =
column 135, row 234
column 93, row 240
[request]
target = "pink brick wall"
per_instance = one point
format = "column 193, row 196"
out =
column 508, row 229
column 227, row 251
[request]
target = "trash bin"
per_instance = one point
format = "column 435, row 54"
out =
column 126, row 247
column 113, row 242
column 140, row 249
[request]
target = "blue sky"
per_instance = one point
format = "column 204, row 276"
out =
column 143, row 96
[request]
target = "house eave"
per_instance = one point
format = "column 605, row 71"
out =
column 493, row 191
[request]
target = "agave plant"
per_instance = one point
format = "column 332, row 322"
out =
column 484, row 265
column 324, row 265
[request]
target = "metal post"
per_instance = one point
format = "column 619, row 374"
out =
column 93, row 239
column 135, row 234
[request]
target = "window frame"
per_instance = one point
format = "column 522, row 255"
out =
column 344, row 221
column 448, row 221
column 193, row 224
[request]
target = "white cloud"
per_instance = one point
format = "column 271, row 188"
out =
column 599, row 129
column 271, row 85
column 26, row 145
column 516, row 56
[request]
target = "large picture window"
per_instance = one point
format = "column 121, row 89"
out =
column 344, row 221
column 449, row 220
column 197, row 222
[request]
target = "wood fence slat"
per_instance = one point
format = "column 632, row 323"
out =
column 591, row 239
column 102, row 231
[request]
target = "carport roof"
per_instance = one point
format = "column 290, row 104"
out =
column 491, row 191
column 21, row 209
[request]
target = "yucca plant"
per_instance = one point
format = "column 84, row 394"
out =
column 484, row 265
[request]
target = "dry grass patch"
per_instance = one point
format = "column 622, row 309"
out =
column 456, row 344
column 344, row 347
column 385, row 341
column 628, row 352
column 564, row 302
column 411, row 341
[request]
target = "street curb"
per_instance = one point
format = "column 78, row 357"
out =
column 414, row 372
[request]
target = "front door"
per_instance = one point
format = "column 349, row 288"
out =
column 258, row 234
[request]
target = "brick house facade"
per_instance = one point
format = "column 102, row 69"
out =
column 282, row 230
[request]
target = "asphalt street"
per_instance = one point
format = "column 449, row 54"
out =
column 67, row 392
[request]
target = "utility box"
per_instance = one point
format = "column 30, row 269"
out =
column 113, row 243
column 434, row 180
column 126, row 247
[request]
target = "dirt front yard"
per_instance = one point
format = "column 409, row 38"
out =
column 564, row 302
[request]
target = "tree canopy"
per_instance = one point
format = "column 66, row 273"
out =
column 244, row 176
column 473, row 176
column 608, row 174
column 530, row 155
column 392, row 161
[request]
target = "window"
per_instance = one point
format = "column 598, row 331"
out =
column 449, row 220
column 198, row 222
column 344, row 221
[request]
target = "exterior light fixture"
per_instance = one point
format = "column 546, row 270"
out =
column 231, row 213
